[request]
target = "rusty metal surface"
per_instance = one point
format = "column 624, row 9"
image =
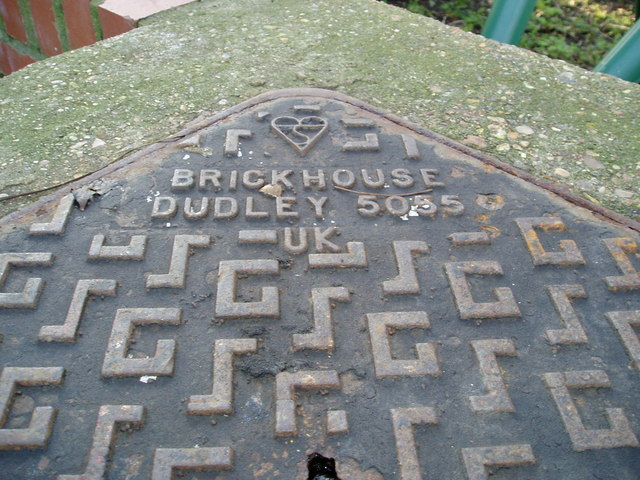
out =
column 305, row 274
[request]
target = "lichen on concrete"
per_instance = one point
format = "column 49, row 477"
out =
column 73, row 114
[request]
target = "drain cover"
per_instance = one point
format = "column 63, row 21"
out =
column 304, row 273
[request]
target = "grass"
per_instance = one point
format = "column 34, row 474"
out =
column 578, row 31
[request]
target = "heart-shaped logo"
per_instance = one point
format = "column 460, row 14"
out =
column 301, row 133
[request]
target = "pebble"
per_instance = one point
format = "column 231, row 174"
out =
column 497, row 119
column 98, row 142
column 475, row 141
column 566, row 77
column 497, row 131
column 524, row 130
column 619, row 192
column 561, row 172
column 513, row 136
column 591, row 162
column 585, row 185
column 503, row 147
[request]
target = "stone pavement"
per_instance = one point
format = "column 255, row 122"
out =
column 68, row 116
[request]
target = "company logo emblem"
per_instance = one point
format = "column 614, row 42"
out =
column 301, row 133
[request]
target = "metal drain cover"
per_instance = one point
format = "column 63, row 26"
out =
column 305, row 273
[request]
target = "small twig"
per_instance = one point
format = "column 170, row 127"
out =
column 59, row 185
column 42, row 190
column 383, row 194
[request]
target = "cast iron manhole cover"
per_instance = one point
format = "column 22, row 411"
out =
column 305, row 273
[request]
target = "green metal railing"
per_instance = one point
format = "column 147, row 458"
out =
column 508, row 20
column 624, row 59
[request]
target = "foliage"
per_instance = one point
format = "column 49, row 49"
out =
column 578, row 31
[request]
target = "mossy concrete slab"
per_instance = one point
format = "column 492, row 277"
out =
column 75, row 113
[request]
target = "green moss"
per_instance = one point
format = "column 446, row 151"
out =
column 95, row 18
column 29, row 26
column 61, row 25
column 578, row 31
column 20, row 47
